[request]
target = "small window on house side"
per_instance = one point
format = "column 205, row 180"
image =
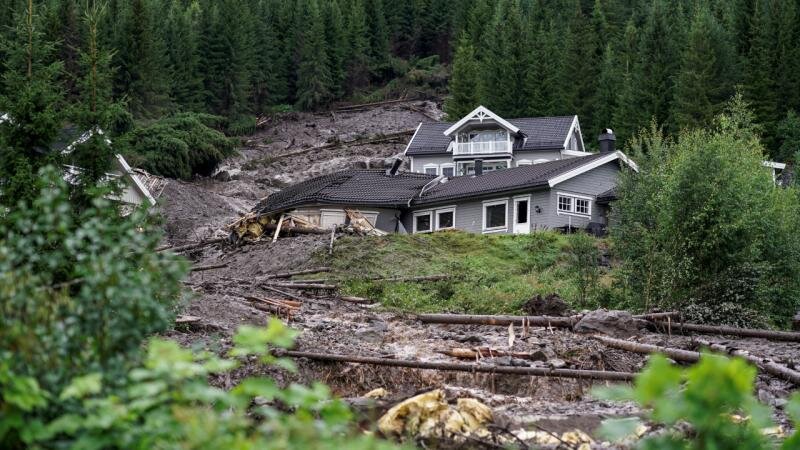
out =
column 444, row 220
column 564, row 203
column 495, row 216
column 581, row 206
column 522, row 211
column 431, row 171
column 422, row 223
column 448, row 171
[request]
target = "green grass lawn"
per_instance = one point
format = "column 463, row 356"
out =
column 491, row 274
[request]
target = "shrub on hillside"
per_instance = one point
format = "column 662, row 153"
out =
column 180, row 146
column 703, row 223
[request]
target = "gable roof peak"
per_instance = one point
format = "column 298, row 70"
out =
column 480, row 114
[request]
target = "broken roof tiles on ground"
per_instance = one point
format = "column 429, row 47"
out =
column 539, row 133
column 378, row 188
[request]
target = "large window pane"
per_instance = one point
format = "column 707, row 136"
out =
column 565, row 204
column 446, row 219
column 448, row 171
column 581, row 206
column 423, row 222
column 496, row 216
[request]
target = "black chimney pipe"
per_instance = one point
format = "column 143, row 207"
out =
column 395, row 166
column 607, row 141
column 478, row 167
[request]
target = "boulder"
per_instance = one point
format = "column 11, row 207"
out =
column 552, row 305
column 613, row 323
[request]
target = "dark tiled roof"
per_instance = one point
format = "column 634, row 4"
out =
column 501, row 180
column 607, row 196
column 375, row 188
column 357, row 187
column 540, row 133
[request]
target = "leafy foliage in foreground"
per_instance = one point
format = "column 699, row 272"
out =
column 179, row 146
column 703, row 228
column 78, row 291
column 491, row 274
column 714, row 396
column 167, row 403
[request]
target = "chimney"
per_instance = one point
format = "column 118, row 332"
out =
column 607, row 141
column 395, row 167
column 478, row 167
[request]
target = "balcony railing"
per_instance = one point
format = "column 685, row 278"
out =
column 481, row 148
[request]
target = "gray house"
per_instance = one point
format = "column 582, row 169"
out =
column 449, row 149
column 572, row 192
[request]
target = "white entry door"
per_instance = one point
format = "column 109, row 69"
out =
column 522, row 215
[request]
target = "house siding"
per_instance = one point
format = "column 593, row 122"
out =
column 533, row 155
column 385, row 220
column 418, row 162
column 589, row 184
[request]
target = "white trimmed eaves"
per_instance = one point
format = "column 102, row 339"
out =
column 471, row 116
column 617, row 155
column 572, row 128
column 412, row 139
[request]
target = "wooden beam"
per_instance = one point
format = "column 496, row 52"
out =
column 683, row 328
column 278, row 228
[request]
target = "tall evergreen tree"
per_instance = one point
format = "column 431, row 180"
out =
column 336, row 42
column 581, row 69
column 30, row 104
column 313, row 74
column 544, row 80
column 760, row 83
column 142, row 60
column 607, row 88
column 700, row 88
column 378, row 33
column 358, row 50
column 464, row 82
column 627, row 118
column 504, row 70
column 183, row 42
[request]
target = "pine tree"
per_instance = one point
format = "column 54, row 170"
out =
column 607, row 88
column 698, row 84
column 504, row 70
column 358, row 50
column 31, row 102
column 336, row 42
column 313, row 74
column 581, row 68
column 378, row 33
column 760, row 84
column 544, row 88
column 183, row 41
column 142, row 60
column 627, row 119
column 464, row 82
column 226, row 47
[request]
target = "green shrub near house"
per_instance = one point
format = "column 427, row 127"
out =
column 490, row 274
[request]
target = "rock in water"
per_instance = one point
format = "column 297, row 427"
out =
column 552, row 305
column 613, row 323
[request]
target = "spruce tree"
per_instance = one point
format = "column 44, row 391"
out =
column 464, row 82
column 313, row 74
column 358, row 50
column 504, row 71
column 544, row 81
column 581, row 68
column 378, row 33
column 336, row 42
column 607, row 87
column 183, row 41
column 30, row 104
column 760, row 83
column 627, row 119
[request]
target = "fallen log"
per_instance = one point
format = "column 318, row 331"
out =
column 355, row 299
column 460, row 367
column 292, row 273
column 764, row 364
column 373, row 104
column 501, row 320
column 281, row 303
column 326, row 287
column 487, row 352
column 209, row 267
column 183, row 248
column 677, row 354
column 410, row 279
column 506, row 320
column 353, row 143
column 682, row 328
column 284, row 293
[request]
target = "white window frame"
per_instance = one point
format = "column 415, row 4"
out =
column 487, row 204
column 573, row 205
column 448, row 209
column 430, row 166
column 540, row 161
column 428, row 213
column 524, row 162
column 447, row 166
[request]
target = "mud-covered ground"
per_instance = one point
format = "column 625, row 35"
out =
column 200, row 209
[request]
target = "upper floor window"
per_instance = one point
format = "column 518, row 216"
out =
column 482, row 142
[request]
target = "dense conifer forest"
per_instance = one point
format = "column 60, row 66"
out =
column 618, row 63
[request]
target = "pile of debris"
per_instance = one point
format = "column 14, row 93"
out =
column 252, row 226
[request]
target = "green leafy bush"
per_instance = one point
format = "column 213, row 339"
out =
column 714, row 397
column 583, row 260
column 702, row 223
column 167, row 403
column 78, row 291
column 180, row 146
